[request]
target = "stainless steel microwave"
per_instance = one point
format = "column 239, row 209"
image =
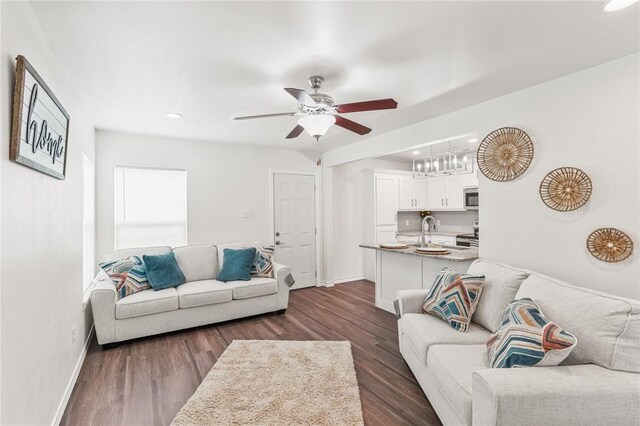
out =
column 471, row 199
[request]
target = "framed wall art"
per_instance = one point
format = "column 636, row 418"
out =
column 40, row 127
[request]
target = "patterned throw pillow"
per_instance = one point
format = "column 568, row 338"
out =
column 263, row 262
column 129, row 275
column 526, row 338
column 453, row 298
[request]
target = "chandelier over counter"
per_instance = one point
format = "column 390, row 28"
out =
column 448, row 163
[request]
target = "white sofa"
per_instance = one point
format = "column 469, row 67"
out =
column 201, row 300
column 598, row 384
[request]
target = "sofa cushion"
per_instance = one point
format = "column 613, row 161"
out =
column 501, row 283
column 253, row 288
column 235, row 246
column 423, row 331
column 138, row 251
column 452, row 368
column 453, row 298
column 527, row 339
column 204, row 292
column 607, row 327
column 147, row 302
column 198, row 262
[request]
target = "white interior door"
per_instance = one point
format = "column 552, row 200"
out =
column 294, row 203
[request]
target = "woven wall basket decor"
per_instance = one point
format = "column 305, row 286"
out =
column 565, row 189
column 609, row 245
column 505, row 154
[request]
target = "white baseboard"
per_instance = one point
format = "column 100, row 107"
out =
column 347, row 279
column 72, row 381
column 326, row 284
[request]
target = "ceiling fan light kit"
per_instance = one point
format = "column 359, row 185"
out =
column 318, row 111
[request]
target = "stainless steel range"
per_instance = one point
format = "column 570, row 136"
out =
column 467, row 240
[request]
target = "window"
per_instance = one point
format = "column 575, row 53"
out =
column 88, row 221
column 150, row 207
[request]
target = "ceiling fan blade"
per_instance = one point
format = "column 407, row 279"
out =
column 295, row 132
column 352, row 125
column 302, row 96
column 367, row 106
column 278, row 114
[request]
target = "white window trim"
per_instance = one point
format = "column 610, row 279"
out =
column 88, row 288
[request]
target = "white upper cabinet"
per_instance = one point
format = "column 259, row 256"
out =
column 454, row 192
column 470, row 179
column 386, row 199
column 412, row 193
column 406, row 200
column 420, row 193
column 446, row 192
column 436, row 193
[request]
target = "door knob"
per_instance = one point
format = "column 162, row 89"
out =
column 277, row 242
column 277, row 234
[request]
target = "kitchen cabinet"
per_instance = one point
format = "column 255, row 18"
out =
column 470, row 179
column 446, row 192
column 386, row 234
column 386, row 199
column 412, row 193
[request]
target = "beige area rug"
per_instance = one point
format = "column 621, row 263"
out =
column 270, row 382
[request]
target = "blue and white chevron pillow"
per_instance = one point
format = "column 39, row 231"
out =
column 526, row 338
column 262, row 265
column 453, row 298
column 129, row 275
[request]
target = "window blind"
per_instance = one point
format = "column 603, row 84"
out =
column 150, row 207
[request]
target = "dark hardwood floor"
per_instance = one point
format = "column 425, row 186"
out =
column 146, row 381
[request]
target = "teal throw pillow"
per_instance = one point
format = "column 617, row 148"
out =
column 163, row 271
column 236, row 265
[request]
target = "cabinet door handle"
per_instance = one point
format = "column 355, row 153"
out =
column 442, row 201
column 447, row 201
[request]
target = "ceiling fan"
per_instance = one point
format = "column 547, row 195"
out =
column 318, row 112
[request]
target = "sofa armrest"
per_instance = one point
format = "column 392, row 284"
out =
column 569, row 395
column 280, row 273
column 103, row 306
column 409, row 301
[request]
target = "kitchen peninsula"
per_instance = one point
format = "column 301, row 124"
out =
column 406, row 269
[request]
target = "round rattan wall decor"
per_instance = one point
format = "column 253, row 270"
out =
column 565, row 189
column 505, row 154
column 609, row 245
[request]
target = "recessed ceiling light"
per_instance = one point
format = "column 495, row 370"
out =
column 174, row 115
column 474, row 140
column 416, row 152
column 616, row 5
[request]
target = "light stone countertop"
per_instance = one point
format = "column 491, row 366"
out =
column 463, row 255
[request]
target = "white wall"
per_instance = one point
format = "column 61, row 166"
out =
column 222, row 180
column 352, row 203
column 41, row 258
column 590, row 120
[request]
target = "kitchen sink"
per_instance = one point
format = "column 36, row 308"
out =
column 443, row 246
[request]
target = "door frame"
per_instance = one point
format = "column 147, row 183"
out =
column 318, row 211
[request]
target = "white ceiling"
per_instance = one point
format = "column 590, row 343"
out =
column 131, row 63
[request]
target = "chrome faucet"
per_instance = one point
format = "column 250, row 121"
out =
column 426, row 219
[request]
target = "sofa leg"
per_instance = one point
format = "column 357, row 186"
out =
column 110, row 346
column 281, row 311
